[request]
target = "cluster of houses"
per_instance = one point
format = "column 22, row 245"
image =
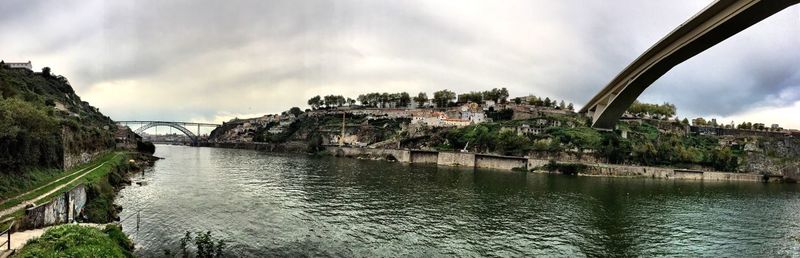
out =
column 464, row 115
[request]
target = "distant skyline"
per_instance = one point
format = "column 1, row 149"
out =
column 209, row 61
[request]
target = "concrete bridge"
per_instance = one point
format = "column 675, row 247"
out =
column 717, row 22
column 142, row 125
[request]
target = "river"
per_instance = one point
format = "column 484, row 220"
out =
column 268, row 204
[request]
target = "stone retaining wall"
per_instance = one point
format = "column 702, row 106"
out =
column 424, row 157
column 456, row 159
column 62, row 209
column 500, row 162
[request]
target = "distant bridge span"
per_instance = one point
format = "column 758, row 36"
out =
column 714, row 24
column 180, row 126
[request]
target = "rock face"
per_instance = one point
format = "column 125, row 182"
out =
column 771, row 156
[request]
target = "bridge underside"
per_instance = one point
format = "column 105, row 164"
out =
column 717, row 22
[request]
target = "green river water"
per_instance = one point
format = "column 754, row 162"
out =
column 268, row 204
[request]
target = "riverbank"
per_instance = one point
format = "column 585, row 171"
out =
column 87, row 195
column 500, row 162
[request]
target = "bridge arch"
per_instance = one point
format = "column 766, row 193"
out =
column 714, row 24
column 192, row 136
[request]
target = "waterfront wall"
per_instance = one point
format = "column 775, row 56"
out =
column 424, row 157
column 473, row 160
column 668, row 173
column 60, row 210
column 382, row 154
column 500, row 162
column 456, row 159
column 259, row 146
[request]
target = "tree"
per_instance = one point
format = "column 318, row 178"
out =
column 547, row 102
column 699, row 121
column 443, row 98
column 315, row 102
column 476, row 97
column 502, row 95
column 421, row 99
column 404, row 99
column 295, row 111
column 570, row 107
column 351, row 102
column 685, row 121
column 46, row 71
column 561, row 105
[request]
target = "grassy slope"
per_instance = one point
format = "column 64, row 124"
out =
column 109, row 163
column 79, row 241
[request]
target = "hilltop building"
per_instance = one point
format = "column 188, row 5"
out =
column 27, row 65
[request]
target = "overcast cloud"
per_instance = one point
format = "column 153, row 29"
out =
column 213, row 60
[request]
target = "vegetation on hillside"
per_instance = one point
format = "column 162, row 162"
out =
column 41, row 118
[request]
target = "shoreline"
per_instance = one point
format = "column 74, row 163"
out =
column 509, row 163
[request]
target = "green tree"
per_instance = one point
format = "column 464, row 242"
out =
column 295, row 111
column 443, row 98
column 315, row 102
column 421, row 99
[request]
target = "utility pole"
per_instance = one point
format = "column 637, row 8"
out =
column 341, row 139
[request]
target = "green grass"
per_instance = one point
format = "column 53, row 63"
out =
column 79, row 241
column 111, row 159
column 14, row 185
column 31, row 195
column 92, row 176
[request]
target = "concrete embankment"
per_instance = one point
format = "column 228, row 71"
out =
column 261, row 146
column 475, row 160
column 489, row 161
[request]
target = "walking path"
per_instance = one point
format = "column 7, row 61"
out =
column 44, row 195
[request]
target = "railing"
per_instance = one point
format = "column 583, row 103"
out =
column 7, row 242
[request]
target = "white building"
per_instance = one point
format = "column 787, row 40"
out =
column 20, row 65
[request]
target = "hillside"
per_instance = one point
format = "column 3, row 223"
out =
column 649, row 134
column 45, row 126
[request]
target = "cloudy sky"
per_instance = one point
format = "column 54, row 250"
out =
column 213, row 60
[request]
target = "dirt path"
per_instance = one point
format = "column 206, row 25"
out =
column 46, row 185
column 34, row 200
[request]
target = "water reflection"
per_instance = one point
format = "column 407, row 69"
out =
column 289, row 205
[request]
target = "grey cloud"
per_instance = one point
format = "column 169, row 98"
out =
column 262, row 49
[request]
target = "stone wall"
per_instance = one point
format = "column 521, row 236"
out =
column 500, row 162
column 383, row 154
column 426, row 157
column 61, row 209
column 297, row 147
column 456, row 159
column 667, row 173
column 72, row 160
column 536, row 163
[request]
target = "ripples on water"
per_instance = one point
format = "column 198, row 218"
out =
column 292, row 205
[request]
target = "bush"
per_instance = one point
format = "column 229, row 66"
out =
column 205, row 246
column 145, row 147
column 566, row 168
column 79, row 241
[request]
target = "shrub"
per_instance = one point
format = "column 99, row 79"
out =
column 79, row 241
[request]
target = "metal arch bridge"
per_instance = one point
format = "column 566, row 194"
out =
column 714, row 24
column 180, row 126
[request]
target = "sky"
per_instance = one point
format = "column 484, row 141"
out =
column 210, row 61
